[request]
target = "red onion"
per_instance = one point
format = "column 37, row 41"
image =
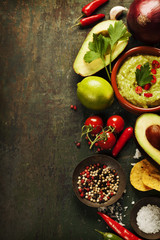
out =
column 143, row 20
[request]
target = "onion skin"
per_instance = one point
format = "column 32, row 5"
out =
column 143, row 20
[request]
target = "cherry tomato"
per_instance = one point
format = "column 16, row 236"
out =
column 117, row 122
column 109, row 142
column 96, row 123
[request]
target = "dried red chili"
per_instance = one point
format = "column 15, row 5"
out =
column 124, row 137
column 90, row 20
column 153, row 70
column 154, row 80
column 147, row 86
column 155, row 64
column 88, row 9
column 138, row 89
column 139, row 67
column 118, row 228
column 148, row 95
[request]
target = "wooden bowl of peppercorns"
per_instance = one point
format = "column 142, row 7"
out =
column 99, row 181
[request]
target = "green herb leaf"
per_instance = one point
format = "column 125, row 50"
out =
column 126, row 36
column 143, row 75
column 91, row 56
column 97, row 48
column 117, row 32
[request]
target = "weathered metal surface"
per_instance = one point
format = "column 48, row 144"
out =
column 38, row 128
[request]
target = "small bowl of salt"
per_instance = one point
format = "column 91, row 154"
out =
column 145, row 218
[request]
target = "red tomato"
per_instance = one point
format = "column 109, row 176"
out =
column 117, row 122
column 109, row 142
column 96, row 123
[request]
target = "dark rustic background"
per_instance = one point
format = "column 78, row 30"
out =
column 38, row 128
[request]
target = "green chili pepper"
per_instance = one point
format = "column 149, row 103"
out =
column 109, row 236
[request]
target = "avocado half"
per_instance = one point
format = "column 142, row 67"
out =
column 86, row 69
column 147, row 133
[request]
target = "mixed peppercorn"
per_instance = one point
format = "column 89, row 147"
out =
column 98, row 183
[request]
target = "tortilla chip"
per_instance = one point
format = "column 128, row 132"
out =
column 136, row 175
column 151, row 177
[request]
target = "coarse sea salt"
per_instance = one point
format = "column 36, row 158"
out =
column 137, row 154
column 114, row 211
column 148, row 219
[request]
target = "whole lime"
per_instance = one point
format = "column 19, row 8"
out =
column 95, row 93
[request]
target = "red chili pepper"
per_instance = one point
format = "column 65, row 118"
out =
column 148, row 95
column 153, row 70
column 88, row 9
column 138, row 89
column 154, row 80
column 155, row 64
column 147, row 86
column 125, row 136
column 139, row 67
column 90, row 20
column 118, row 228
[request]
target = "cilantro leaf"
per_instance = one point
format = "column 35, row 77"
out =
column 97, row 48
column 143, row 75
column 100, row 44
column 91, row 56
column 125, row 37
column 117, row 32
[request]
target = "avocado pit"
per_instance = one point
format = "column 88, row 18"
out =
column 147, row 133
column 153, row 135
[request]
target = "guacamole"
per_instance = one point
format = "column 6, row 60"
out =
column 126, row 81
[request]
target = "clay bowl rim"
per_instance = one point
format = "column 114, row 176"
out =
column 137, row 206
column 133, row 51
column 102, row 159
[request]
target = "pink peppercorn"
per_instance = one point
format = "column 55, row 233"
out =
column 75, row 107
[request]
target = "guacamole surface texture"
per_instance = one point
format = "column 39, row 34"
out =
column 126, row 81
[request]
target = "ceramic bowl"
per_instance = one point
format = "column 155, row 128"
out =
column 143, row 202
column 101, row 159
column 124, row 103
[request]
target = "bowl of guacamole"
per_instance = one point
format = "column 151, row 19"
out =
column 136, row 79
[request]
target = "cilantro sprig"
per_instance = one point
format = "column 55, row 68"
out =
column 143, row 75
column 101, row 44
column 98, row 49
column 117, row 33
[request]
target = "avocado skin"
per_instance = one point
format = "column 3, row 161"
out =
column 142, row 123
column 87, row 69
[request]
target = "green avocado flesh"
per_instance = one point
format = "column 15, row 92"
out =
column 143, row 122
column 86, row 69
